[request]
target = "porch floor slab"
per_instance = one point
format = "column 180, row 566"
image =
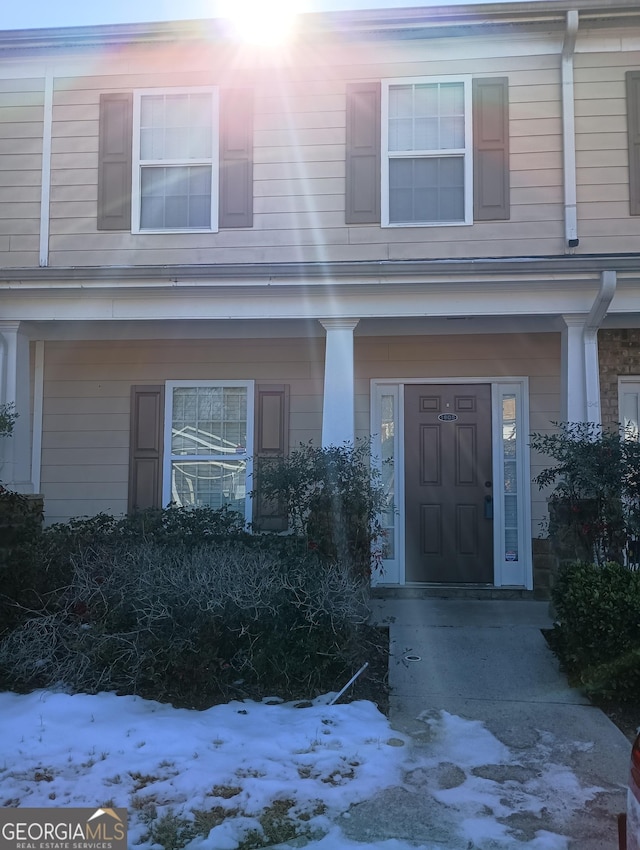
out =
column 487, row 660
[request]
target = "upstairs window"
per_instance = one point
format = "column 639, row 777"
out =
column 427, row 166
column 175, row 160
column 425, row 151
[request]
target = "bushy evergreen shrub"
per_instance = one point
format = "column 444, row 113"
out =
column 597, row 633
column 24, row 578
column 595, row 504
column 333, row 499
column 8, row 418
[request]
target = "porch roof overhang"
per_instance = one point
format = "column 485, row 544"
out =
column 538, row 289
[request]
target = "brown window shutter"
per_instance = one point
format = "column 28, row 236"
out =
column 145, row 447
column 236, row 158
column 633, row 125
column 362, row 202
column 114, row 161
column 272, row 436
column 491, row 149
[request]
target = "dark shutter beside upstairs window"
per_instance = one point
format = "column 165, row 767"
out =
column 115, row 160
column 490, row 149
column 633, row 125
column 362, row 202
column 236, row 158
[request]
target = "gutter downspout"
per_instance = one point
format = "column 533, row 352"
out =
column 569, row 132
column 45, row 189
column 608, row 280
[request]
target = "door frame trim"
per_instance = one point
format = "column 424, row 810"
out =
column 519, row 575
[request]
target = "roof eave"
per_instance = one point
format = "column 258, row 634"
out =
column 361, row 22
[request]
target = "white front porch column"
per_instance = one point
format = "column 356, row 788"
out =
column 338, row 421
column 573, row 376
column 15, row 451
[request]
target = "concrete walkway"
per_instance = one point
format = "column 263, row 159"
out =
column 486, row 660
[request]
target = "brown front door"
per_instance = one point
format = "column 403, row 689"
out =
column 448, row 481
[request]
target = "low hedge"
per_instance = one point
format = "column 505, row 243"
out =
column 36, row 563
column 182, row 606
column 597, row 633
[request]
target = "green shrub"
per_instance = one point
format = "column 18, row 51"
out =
column 24, row 579
column 333, row 499
column 8, row 418
column 597, row 633
column 595, row 504
column 617, row 680
column 20, row 518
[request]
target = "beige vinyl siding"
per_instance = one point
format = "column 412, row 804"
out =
column 74, row 159
column 299, row 155
column 85, row 442
column 21, row 129
column 87, row 385
column 536, row 356
column 602, row 160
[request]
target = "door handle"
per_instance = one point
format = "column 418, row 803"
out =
column 488, row 507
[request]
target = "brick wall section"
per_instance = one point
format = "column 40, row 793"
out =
column 545, row 565
column 619, row 353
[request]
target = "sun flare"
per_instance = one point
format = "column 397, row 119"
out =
column 267, row 23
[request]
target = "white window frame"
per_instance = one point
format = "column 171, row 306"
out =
column 138, row 163
column 466, row 152
column 389, row 567
column 628, row 385
column 510, row 573
column 247, row 455
column 507, row 573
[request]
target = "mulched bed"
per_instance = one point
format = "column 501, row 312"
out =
column 625, row 715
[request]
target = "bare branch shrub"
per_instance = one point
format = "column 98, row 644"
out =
column 194, row 624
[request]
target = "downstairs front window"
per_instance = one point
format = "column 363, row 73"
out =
column 208, row 444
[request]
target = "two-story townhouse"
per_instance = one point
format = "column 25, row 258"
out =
column 421, row 225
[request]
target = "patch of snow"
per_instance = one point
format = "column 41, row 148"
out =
column 122, row 751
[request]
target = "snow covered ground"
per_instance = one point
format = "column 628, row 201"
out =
column 229, row 774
